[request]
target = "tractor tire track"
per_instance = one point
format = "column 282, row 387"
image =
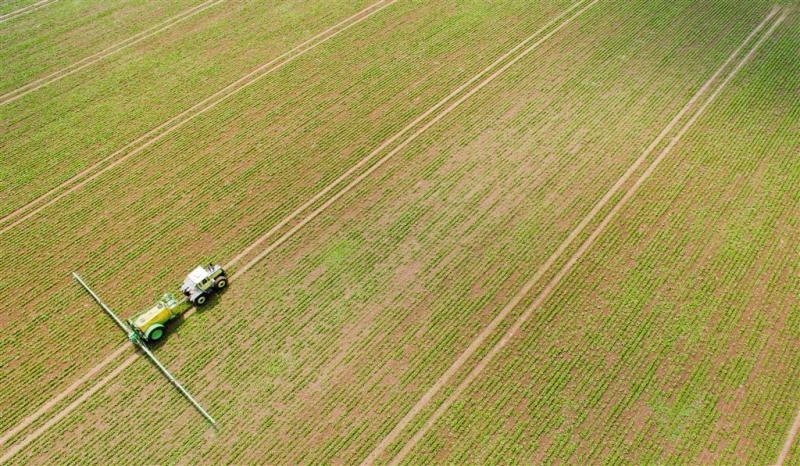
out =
column 71, row 407
column 28, row 420
column 553, row 283
column 791, row 435
column 156, row 134
column 405, row 130
column 39, row 83
column 72, row 388
column 25, row 10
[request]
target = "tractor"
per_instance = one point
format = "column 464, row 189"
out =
column 198, row 286
column 149, row 326
column 202, row 282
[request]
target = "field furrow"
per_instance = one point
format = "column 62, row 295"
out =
column 99, row 114
column 16, row 8
column 52, row 76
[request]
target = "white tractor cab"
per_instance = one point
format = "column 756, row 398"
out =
column 202, row 282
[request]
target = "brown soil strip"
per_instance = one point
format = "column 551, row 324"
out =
column 105, row 53
column 26, row 10
column 405, row 143
column 69, row 390
column 98, row 168
column 470, row 351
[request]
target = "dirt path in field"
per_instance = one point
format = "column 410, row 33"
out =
column 72, row 388
column 28, row 420
column 25, row 10
column 55, row 419
column 514, row 329
column 105, row 53
column 156, row 134
column 790, row 437
column 358, row 17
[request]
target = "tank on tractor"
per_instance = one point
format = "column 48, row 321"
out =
column 150, row 324
column 202, row 282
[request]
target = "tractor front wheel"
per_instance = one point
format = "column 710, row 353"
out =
column 200, row 300
column 222, row 283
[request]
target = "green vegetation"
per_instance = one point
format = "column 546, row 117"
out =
column 671, row 340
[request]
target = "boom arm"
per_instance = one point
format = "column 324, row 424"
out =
column 134, row 337
column 125, row 328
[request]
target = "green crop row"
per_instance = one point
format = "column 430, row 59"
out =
column 14, row 5
column 60, row 130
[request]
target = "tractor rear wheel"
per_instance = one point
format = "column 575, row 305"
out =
column 200, row 300
column 222, row 283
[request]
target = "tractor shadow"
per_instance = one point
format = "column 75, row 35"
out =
column 173, row 326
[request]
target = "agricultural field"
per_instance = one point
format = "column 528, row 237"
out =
column 517, row 231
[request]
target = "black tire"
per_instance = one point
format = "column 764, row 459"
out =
column 200, row 300
column 221, row 283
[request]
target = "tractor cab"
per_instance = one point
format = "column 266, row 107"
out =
column 202, row 282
